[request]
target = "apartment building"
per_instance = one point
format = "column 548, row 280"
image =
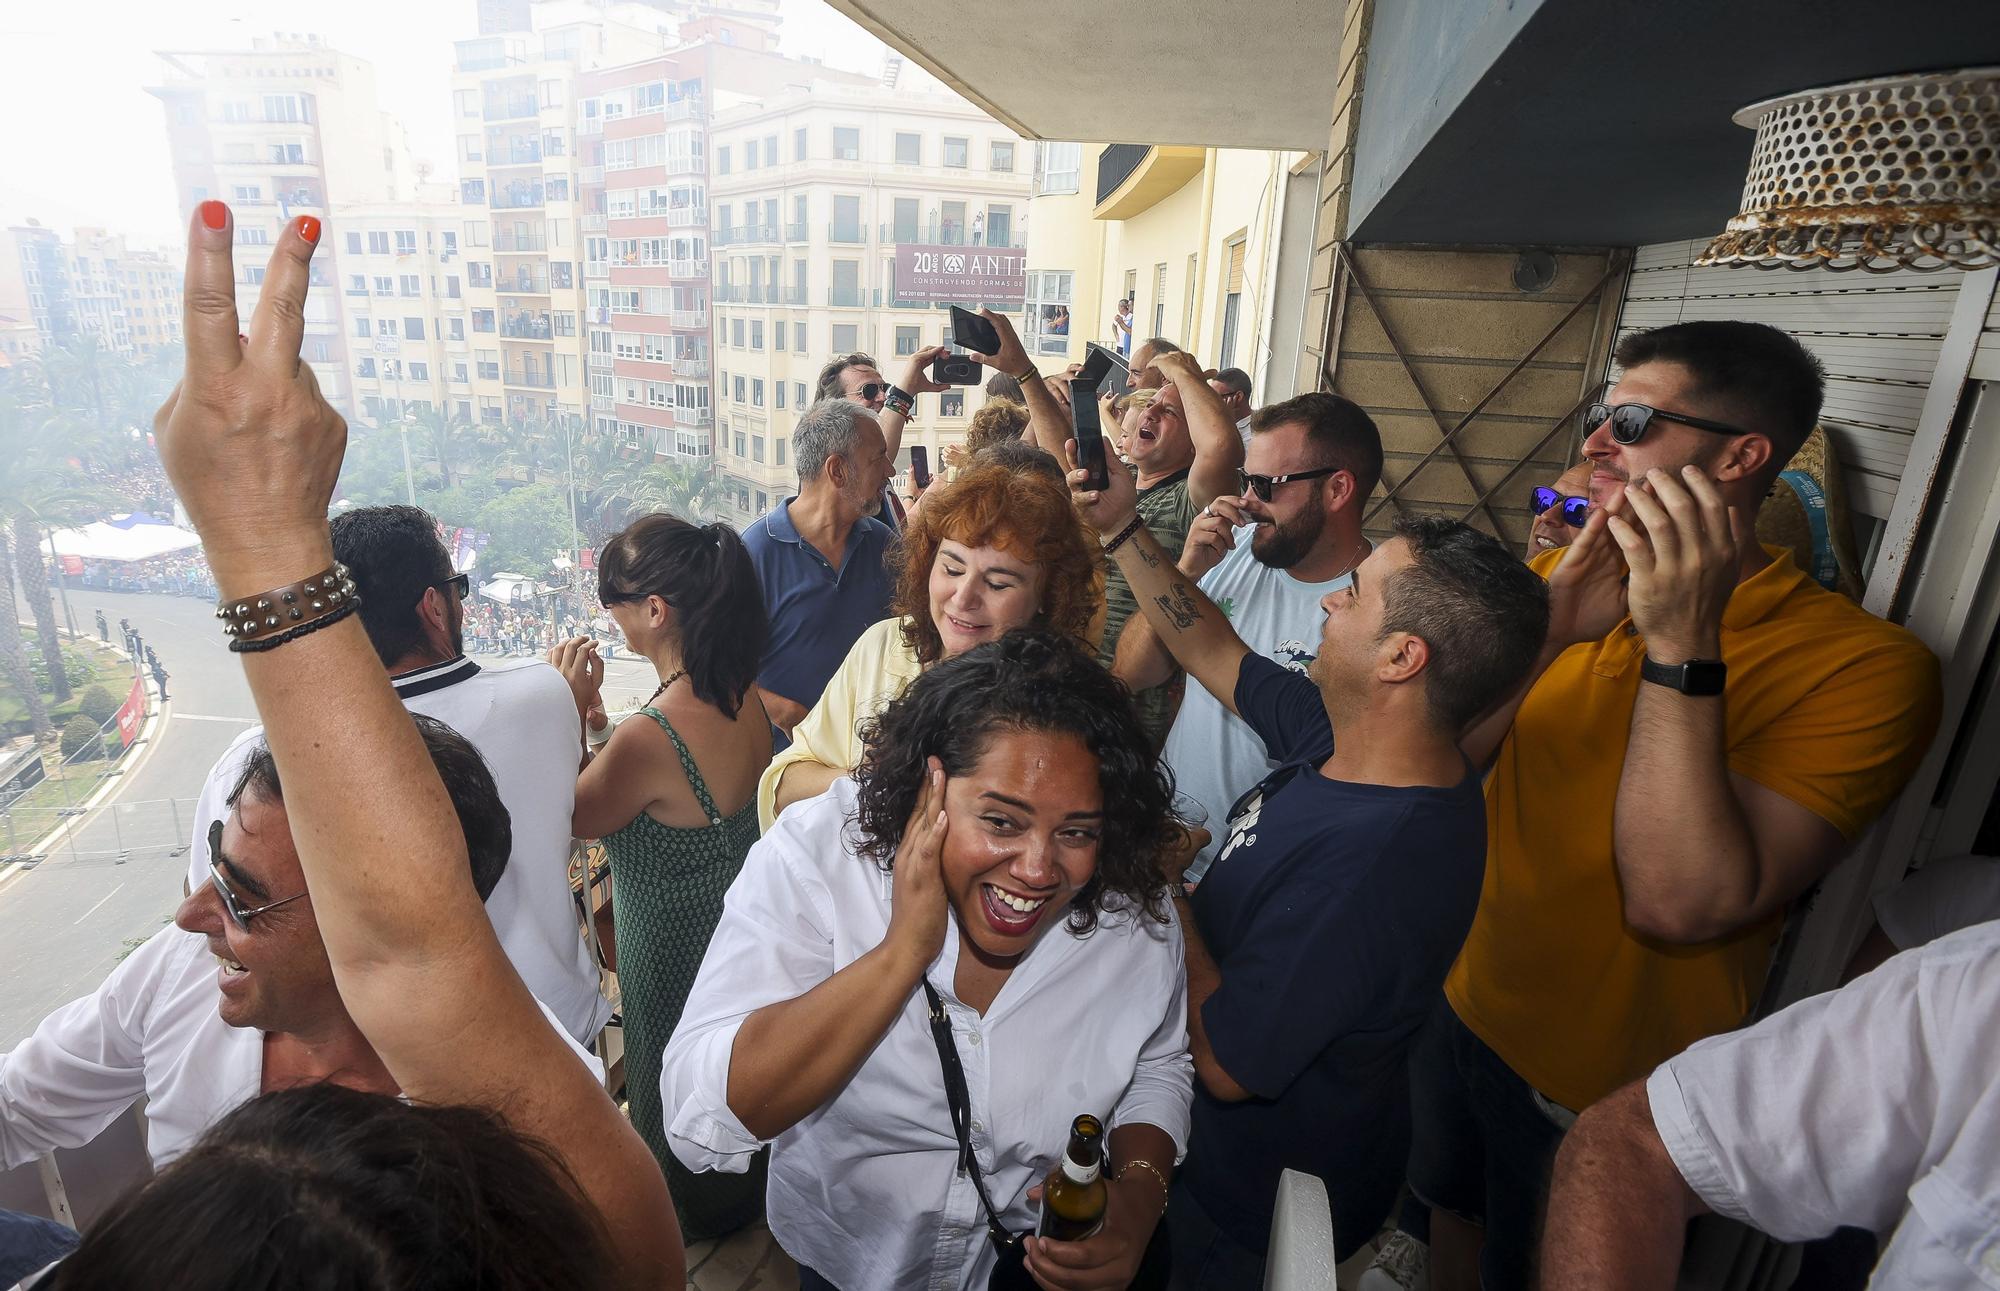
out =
column 275, row 131
column 403, row 291
column 1193, row 237
column 813, row 193
column 644, row 129
column 128, row 299
column 515, row 97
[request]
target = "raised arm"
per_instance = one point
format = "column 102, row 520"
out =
column 253, row 450
column 915, row 380
column 1193, row 630
column 1142, row 661
column 1218, row 448
column 1048, row 420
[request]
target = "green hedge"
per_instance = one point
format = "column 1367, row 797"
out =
column 79, row 739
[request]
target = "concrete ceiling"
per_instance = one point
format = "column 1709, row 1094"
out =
column 1249, row 74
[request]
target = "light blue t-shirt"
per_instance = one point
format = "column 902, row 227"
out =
column 1214, row 756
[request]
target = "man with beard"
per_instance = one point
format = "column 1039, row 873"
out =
column 516, row 714
column 1267, row 558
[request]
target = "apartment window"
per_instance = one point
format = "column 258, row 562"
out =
column 722, row 159
column 952, row 403
column 736, row 332
column 739, row 388
column 413, row 328
column 799, row 144
column 468, row 102
column 248, row 194
column 742, row 444
column 406, row 242
column 798, row 218
column 1057, row 167
column 908, row 340
column 750, row 160
column 799, row 344
column 846, row 338
column 451, row 286
column 482, row 320
column 847, row 143
column 770, row 150
column 1232, row 302
column 385, row 286
column 364, row 328
column 756, row 448
column 357, row 284
column 846, row 218
column 458, row 376
column 412, row 284
column 778, row 391
column 905, row 226
column 385, row 327
column 1159, row 300
column 757, row 392
column 364, row 367
column 454, row 329
column 957, row 152
column 756, row 333
column 909, row 149
column 354, row 244
column 1002, row 160
column 1048, row 311
column 799, row 387
column 378, row 244
column 420, row 371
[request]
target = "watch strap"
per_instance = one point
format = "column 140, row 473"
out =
column 1693, row 677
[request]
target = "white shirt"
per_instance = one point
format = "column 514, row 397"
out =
column 521, row 717
column 1215, row 757
column 155, row 1028
column 1243, row 429
column 865, row 1190
column 1945, row 895
column 1876, row 1106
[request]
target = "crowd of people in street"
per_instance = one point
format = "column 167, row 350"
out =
column 180, row 573
column 1445, row 873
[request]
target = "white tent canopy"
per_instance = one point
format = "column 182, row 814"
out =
column 510, row 589
column 129, row 537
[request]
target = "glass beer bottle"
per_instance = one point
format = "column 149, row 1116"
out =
column 1074, row 1195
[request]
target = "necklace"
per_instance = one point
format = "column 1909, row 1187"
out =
column 672, row 677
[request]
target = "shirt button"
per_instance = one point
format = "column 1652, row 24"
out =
column 975, row 1039
column 977, row 1128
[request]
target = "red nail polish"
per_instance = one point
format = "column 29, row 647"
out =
column 214, row 214
column 309, row 228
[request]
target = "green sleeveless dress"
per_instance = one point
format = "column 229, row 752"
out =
column 667, row 886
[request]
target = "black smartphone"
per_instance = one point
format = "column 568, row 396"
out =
column 971, row 332
column 1088, row 430
column 1099, row 363
column 957, row 370
column 920, row 466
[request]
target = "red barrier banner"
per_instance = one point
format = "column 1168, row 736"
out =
column 132, row 713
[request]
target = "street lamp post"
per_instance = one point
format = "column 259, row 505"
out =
column 62, row 586
column 409, row 476
column 575, row 546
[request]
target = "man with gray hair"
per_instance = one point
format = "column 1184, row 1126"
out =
column 819, row 556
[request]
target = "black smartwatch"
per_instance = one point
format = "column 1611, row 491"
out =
column 1695, row 677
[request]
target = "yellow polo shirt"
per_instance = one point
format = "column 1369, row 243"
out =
column 878, row 668
column 1825, row 704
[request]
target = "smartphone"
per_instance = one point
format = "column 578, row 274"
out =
column 1099, row 363
column 1089, row 433
column 957, row 370
column 971, row 332
column 920, row 466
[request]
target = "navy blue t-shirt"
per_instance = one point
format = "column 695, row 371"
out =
column 1333, row 911
column 816, row 612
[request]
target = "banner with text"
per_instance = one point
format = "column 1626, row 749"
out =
column 966, row 275
column 131, row 713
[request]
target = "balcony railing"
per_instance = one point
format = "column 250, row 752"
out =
column 848, row 297
column 687, row 165
column 509, row 109
column 691, row 369
column 508, row 240
column 788, row 295
column 518, row 199
column 687, row 268
column 683, row 110
column 795, row 232
column 590, row 175
column 597, row 268
column 695, row 417
column 728, row 293
column 847, row 233
column 599, row 361
column 522, row 284
column 594, row 222
column 900, row 233
column 520, row 154
column 531, row 380
column 530, row 327
column 687, row 217
column 689, row 318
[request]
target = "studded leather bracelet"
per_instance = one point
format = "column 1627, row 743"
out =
column 268, row 619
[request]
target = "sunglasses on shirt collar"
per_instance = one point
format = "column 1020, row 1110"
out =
column 239, row 914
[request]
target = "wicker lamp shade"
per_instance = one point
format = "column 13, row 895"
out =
column 1900, row 172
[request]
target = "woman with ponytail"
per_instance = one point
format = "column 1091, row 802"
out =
column 676, row 826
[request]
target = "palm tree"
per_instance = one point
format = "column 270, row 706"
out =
column 680, row 488
column 37, row 488
column 525, row 443
column 451, row 440
column 13, row 662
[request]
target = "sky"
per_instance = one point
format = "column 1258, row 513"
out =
column 86, row 145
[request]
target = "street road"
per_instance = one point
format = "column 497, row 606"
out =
column 66, row 923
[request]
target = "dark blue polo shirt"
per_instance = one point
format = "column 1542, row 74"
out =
column 1333, row 911
column 816, row 613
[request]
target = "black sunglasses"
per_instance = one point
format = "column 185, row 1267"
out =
column 460, row 583
column 1261, row 485
column 1629, row 421
column 238, row 915
column 871, row 391
column 1574, row 510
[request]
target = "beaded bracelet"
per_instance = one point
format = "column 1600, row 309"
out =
column 1123, row 534
column 277, row 639
column 899, row 400
column 283, row 609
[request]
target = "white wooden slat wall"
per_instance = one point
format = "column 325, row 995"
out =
column 1877, row 334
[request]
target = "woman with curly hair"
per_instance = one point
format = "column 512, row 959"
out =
column 996, row 865
column 994, row 550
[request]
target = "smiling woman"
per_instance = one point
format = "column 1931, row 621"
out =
column 1003, row 846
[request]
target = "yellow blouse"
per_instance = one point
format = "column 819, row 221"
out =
column 875, row 672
